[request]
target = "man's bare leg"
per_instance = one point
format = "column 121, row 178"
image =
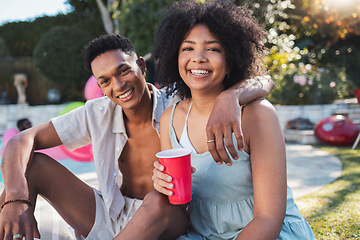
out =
column 156, row 219
column 73, row 199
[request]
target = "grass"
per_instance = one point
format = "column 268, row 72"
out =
column 333, row 212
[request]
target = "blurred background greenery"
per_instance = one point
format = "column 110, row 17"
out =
column 313, row 55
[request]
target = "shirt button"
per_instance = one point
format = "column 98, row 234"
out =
column 117, row 149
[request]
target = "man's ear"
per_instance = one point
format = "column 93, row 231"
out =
column 142, row 65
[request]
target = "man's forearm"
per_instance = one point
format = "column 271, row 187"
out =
column 18, row 154
column 251, row 89
column 13, row 168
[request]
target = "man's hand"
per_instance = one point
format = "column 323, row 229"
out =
column 18, row 218
column 225, row 118
column 223, row 121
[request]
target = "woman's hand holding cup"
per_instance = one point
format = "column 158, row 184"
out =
column 162, row 181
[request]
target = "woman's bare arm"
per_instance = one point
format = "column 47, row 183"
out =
column 265, row 142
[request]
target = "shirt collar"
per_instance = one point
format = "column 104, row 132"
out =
column 158, row 103
column 118, row 125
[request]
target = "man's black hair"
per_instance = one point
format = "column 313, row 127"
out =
column 106, row 43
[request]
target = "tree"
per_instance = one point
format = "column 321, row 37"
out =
column 138, row 20
column 105, row 11
column 85, row 14
column 21, row 37
column 3, row 49
column 330, row 31
column 58, row 55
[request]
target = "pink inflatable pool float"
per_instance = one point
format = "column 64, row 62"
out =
column 92, row 90
column 58, row 153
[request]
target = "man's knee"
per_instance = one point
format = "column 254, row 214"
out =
column 172, row 218
column 40, row 163
column 158, row 205
column 156, row 200
column 43, row 171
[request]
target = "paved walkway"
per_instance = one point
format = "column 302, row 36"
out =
column 309, row 170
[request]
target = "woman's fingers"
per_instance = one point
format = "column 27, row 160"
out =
column 162, row 181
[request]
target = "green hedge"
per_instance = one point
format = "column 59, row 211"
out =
column 21, row 37
column 59, row 56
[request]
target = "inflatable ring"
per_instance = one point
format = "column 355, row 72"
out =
column 8, row 134
column 70, row 107
column 92, row 90
column 55, row 152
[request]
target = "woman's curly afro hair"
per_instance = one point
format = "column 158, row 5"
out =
column 238, row 31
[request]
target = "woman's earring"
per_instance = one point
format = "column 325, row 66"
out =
column 106, row 97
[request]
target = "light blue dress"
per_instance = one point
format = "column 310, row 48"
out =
column 221, row 207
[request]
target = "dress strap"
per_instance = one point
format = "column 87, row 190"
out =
column 187, row 115
column 184, row 139
column 172, row 113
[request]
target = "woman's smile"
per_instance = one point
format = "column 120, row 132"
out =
column 202, row 60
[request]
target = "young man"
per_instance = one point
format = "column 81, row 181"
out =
column 123, row 128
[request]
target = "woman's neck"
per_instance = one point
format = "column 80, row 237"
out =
column 204, row 103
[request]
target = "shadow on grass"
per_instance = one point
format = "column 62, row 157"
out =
column 335, row 209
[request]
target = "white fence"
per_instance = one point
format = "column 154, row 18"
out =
column 9, row 114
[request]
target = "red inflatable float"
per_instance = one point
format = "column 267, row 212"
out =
column 336, row 130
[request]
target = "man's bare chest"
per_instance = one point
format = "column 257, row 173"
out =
column 139, row 152
column 136, row 163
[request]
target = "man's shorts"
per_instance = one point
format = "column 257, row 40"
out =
column 104, row 227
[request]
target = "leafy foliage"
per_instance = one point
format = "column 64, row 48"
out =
column 21, row 37
column 58, row 55
column 307, row 33
column 138, row 20
column 3, row 49
column 330, row 31
column 301, row 84
column 301, row 32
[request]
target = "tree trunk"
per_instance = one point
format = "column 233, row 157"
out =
column 106, row 17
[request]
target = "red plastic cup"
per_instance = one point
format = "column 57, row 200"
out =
column 177, row 164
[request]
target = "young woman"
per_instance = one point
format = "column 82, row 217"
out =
column 209, row 47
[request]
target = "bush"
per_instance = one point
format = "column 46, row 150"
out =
column 58, row 55
column 3, row 50
column 307, row 84
column 350, row 61
column 21, row 37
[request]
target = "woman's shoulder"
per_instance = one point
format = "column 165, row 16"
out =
column 259, row 112
column 178, row 108
column 260, row 123
column 259, row 107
